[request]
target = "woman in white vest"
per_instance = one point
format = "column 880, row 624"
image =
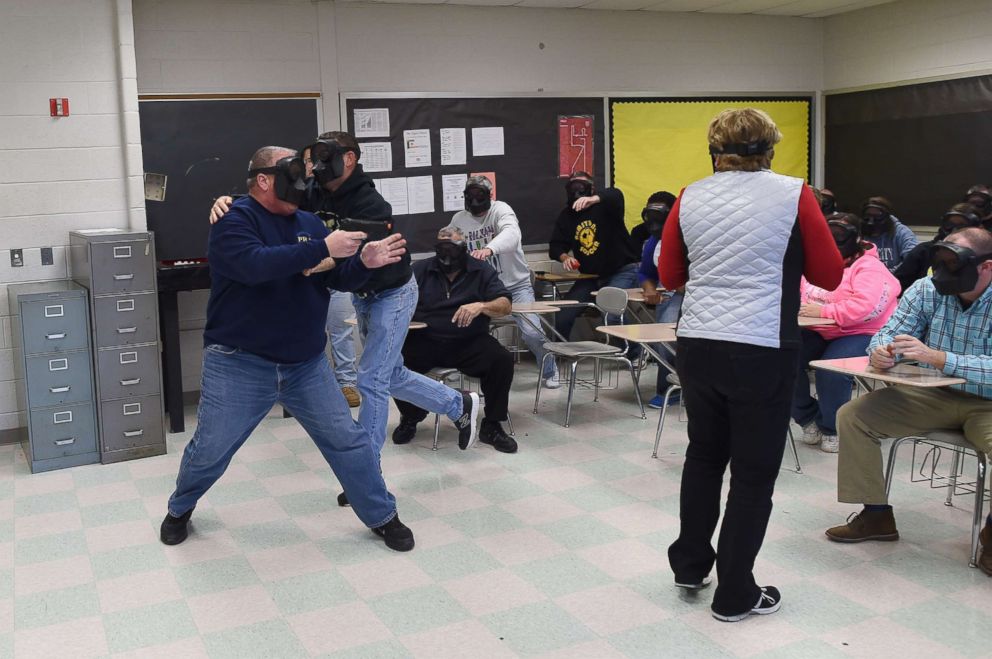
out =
column 739, row 241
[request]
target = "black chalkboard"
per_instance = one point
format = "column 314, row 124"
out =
column 203, row 147
column 922, row 145
column 527, row 175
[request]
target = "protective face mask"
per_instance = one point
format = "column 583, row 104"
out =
column 290, row 179
column 451, row 256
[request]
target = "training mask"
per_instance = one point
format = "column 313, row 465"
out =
column 328, row 160
column 980, row 198
column 846, row 237
column 577, row 188
column 654, row 216
column 953, row 221
column 828, row 205
column 876, row 219
column 452, row 256
column 290, row 179
column 478, row 200
column 955, row 268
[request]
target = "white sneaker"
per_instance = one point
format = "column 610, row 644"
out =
column 552, row 382
column 812, row 434
column 830, row 444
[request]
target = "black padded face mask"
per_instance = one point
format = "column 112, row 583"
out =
column 955, row 268
column 477, row 200
column 290, row 179
column 578, row 188
column 328, row 160
column 451, row 256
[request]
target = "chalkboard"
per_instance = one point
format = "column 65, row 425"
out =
column 203, row 148
column 922, row 146
column 527, row 174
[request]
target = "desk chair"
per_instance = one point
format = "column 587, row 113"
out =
column 609, row 301
column 445, row 376
column 957, row 443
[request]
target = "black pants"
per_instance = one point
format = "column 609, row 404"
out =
column 737, row 398
column 480, row 357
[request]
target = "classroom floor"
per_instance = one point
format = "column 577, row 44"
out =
column 558, row 550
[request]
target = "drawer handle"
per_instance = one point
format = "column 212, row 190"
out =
column 128, row 383
column 124, row 277
column 134, row 433
column 127, row 330
column 55, row 337
column 65, row 442
column 59, row 390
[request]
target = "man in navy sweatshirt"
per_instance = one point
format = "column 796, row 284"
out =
column 272, row 266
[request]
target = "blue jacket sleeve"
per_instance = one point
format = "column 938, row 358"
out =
column 236, row 251
column 906, row 240
column 349, row 275
column 649, row 269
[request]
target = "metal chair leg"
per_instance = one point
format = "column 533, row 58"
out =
column 891, row 464
column 661, row 418
column 795, row 453
column 509, row 424
column 953, row 478
column 978, row 513
column 540, row 381
column 437, row 430
column 571, row 390
column 597, row 374
column 637, row 388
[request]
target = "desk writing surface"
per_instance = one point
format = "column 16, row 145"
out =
column 644, row 333
column 811, row 321
column 556, row 277
column 907, row 374
column 559, row 303
column 414, row 324
column 532, row 307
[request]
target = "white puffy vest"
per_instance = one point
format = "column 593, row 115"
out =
column 736, row 227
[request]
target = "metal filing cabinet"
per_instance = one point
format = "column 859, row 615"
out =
column 118, row 268
column 54, row 370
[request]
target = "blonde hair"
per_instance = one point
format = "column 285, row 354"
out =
column 743, row 126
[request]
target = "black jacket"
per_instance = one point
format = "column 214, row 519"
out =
column 915, row 264
column 357, row 198
column 597, row 236
column 439, row 298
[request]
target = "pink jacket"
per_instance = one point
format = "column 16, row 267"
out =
column 866, row 297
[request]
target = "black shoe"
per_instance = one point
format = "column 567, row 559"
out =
column 397, row 535
column 175, row 529
column 492, row 434
column 405, row 431
column 343, row 500
column 468, row 422
column 769, row 601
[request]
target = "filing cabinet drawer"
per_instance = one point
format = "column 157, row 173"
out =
column 122, row 267
column 54, row 326
column 128, row 372
column 131, row 423
column 60, row 379
column 63, row 431
column 125, row 320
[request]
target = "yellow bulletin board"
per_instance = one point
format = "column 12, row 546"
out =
column 660, row 144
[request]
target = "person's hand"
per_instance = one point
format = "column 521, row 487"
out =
column 810, row 310
column 323, row 266
column 481, row 254
column 652, row 297
column 467, row 313
column 379, row 253
column 220, row 207
column 342, row 244
column 910, row 347
column 583, row 203
column 571, row 263
column 882, row 357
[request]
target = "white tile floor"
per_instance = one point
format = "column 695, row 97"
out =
column 557, row 551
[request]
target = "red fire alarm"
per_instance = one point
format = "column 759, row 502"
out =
column 59, row 107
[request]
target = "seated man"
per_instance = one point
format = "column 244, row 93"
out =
column 458, row 296
column 942, row 321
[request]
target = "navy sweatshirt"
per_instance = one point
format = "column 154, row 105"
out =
column 260, row 301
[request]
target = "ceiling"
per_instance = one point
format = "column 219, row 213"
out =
column 803, row 8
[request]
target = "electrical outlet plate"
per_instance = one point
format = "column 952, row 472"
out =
column 47, row 258
column 16, row 258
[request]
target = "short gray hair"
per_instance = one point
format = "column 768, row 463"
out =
column 266, row 157
column 451, row 233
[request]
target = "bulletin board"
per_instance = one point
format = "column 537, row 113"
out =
column 660, row 143
column 526, row 143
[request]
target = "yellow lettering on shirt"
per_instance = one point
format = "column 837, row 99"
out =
column 585, row 235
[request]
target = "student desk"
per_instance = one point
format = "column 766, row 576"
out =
column 811, row 321
column 556, row 278
column 414, row 324
column 539, row 309
column 901, row 373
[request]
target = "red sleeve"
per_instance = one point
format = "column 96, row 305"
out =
column 822, row 262
column 673, row 271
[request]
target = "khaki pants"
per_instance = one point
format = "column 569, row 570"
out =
column 897, row 412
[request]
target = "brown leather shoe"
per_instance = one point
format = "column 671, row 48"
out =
column 351, row 395
column 985, row 556
column 866, row 525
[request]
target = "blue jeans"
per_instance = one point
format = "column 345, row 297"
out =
column 383, row 319
column 532, row 337
column 237, row 391
column 832, row 389
column 342, row 337
column 625, row 277
column 666, row 312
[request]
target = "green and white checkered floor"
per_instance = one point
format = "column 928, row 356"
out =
column 558, row 551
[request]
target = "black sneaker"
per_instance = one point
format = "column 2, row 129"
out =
column 770, row 601
column 397, row 535
column 694, row 585
column 343, row 500
column 405, row 431
column 175, row 529
column 468, row 422
column 492, row 434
